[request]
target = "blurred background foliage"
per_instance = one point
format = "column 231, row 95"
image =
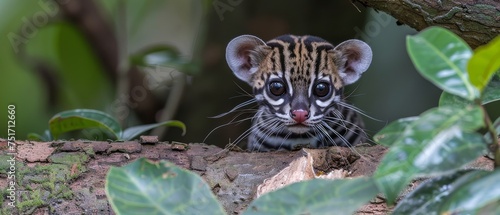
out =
column 149, row 61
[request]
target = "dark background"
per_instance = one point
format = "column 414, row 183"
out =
column 390, row 89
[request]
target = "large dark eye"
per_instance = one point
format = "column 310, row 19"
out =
column 321, row 89
column 277, row 88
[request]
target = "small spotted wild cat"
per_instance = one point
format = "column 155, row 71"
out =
column 298, row 84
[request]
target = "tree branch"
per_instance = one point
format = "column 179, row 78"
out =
column 477, row 22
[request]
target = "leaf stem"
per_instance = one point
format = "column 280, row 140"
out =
column 495, row 143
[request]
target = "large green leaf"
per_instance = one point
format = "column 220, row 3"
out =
column 316, row 196
column 144, row 187
column 484, row 63
column 393, row 131
column 82, row 119
column 134, row 131
column 440, row 140
column 490, row 94
column 441, row 57
column 473, row 196
column 428, row 197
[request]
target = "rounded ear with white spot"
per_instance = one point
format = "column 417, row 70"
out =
column 354, row 58
column 243, row 55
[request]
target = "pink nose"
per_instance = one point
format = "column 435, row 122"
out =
column 299, row 115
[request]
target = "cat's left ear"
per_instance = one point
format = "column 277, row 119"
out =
column 244, row 54
column 353, row 58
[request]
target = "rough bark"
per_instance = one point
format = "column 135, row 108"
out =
column 68, row 177
column 477, row 22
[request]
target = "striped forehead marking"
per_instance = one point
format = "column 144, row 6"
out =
column 301, row 59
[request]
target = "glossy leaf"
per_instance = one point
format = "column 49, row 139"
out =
column 82, row 119
column 144, row 187
column 393, row 131
column 428, row 197
column 441, row 57
column 473, row 196
column 484, row 63
column 440, row 140
column 492, row 91
column 490, row 94
column 318, row 196
column 135, row 131
column 448, row 99
column 490, row 208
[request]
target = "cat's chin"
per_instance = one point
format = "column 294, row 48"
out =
column 299, row 129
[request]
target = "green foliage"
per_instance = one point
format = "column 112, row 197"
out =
column 144, row 187
column 79, row 119
column 441, row 57
column 489, row 94
column 475, row 196
column 318, row 196
column 443, row 139
column 484, row 63
column 390, row 133
column 434, row 192
column 440, row 140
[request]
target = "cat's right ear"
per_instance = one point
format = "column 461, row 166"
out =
column 244, row 54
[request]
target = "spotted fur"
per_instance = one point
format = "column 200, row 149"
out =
column 298, row 82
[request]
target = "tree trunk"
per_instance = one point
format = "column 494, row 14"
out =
column 477, row 22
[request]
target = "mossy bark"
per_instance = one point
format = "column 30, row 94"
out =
column 477, row 22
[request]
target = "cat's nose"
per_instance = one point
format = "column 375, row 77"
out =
column 299, row 115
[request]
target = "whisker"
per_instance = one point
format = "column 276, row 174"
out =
column 267, row 128
column 243, row 104
column 244, row 91
column 343, row 125
column 269, row 131
column 346, row 143
column 282, row 128
column 226, row 124
column 341, row 137
column 357, row 110
column 350, row 93
column 235, row 122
